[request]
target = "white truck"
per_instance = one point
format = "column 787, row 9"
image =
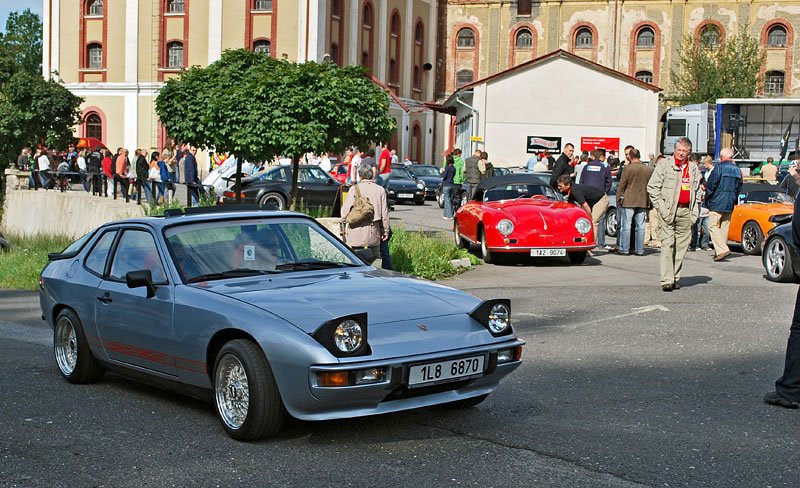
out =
column 753, row 127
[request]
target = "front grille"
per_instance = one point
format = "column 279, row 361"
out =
column 405, row 392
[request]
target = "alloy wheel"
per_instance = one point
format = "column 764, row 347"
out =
column 66, row 346
column 232, row 391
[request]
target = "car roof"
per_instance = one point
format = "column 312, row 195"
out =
column 511, row 179
column 207, row 214
column 748, row 187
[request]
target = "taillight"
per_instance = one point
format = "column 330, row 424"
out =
column 41, row 281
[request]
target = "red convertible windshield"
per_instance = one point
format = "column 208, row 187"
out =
column 511, row 192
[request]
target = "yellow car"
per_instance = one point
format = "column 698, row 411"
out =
column 761, row 207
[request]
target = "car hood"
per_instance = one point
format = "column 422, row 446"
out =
column 308, row 300
column 431, row 180
column 525, row 208
column 401, row 184
column 770, row 208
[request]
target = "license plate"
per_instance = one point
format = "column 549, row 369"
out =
column 547, row 253
column 430, row 373
column 405, row 195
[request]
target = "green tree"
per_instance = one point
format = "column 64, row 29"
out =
column 22, row 41
column 710, row 70
column 258, row 107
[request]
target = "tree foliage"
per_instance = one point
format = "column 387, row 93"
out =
column 22, row 41
column 258, row 107
column 32, row 111
column 729, row 70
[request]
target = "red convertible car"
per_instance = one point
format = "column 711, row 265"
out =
column 522, row 215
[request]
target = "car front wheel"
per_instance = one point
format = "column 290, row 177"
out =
column 73, row 357
column 778, row 261
column 461, row 243
column 485, row 254
column 751, row 238
column 245, row 393
column 440, row 198
column 612, row 226
column 577, row 257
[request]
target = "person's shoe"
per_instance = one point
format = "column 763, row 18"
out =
column 676, row 286
column 775, row 398
column 720, row 257
column 613, row 249
column 667, row 287
column 693, row 249
column 448, row 218
column 607, row 248
column 639, row 253
column 705, row 248
column 622, row 253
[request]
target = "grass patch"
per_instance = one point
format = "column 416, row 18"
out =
column 425, row 256
column 20, row 268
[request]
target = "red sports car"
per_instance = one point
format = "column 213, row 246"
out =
column 340, row 172
column 522, row 214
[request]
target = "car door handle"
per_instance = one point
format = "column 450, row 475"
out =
column 105, row 298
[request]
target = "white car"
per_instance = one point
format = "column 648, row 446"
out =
column 218, row 178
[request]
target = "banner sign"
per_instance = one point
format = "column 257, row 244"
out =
column 607, row 143
column 537, row 144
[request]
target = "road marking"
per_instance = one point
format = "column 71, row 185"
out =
column 634, row 311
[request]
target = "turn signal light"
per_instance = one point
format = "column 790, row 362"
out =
column 334, row 378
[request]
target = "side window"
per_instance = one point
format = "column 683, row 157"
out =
column 137, row 251
column 96, row 260
column 317, row 175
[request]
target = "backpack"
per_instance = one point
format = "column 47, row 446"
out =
column 362, row 212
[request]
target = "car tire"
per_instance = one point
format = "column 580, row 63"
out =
column 485, row 253
column 751, row 238
column 612, row 225
column 461, row 243
column 420, row 202
column 464, row 199
column 577, row 257
column 440, row 198
column 467, row 402
column 272, row 198
column 777, row 261
column 71, row 349
column 242, row 370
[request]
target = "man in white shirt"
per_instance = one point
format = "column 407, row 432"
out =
column 395, row 159
column 325, row 163
column 358, row 154
column 81, row 162
column 43, row 164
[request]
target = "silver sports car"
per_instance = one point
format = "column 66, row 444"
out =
column 267, row 313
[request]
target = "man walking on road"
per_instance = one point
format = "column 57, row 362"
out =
column 674, row 190
column 633, row 200
column 472, row 173
column 787, row 387
column 722, row 190
column 562, row 166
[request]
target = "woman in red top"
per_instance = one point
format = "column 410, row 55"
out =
column 106, row 165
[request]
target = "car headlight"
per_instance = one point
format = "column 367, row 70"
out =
column 348, row 336
column 499, row 318
column 583, row 225
column 420, row 185
column 495, row 315
column 344, row 336
column 505, row 226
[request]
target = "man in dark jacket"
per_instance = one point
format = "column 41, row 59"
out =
column 598, row 174
column 789, row 183
column 142, row 169
column 722, row 191
column 787, row 387
column 633, row 200
column 562, row 166
column 93, row 164
column 190, row 173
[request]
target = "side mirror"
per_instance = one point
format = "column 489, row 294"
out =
column 137, row 279
column 365, row 255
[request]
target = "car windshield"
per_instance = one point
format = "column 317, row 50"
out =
column 510, row 192
column 248, row 247
column 426, row 171
column 766, row 197
column 400, row 173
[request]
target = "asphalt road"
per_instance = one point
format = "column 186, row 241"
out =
column 622, row 385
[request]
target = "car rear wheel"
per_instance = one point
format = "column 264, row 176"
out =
column 461, row 243
column 751, row 238
column 440, row 198
column 778, row 261
column 485, row 254
column 245, row 393
column 272, row 199
column 612, row 226
column 577, row 257
column 73, row 357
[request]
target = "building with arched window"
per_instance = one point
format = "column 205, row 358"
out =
column 117, row 54
column 641, row 39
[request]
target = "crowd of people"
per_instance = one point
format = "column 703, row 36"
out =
column 152, row 178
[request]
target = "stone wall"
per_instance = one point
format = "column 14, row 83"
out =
column 71, row 213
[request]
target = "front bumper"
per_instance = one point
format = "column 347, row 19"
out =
column 528, row 249
column 394, row 394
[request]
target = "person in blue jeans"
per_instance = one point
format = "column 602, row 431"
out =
column 448, row 187
column 700, row 232
column 632, row 198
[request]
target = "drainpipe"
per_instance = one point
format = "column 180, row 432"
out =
column 472, row 144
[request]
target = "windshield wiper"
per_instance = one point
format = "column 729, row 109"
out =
column 231, row 273
column 305, row 265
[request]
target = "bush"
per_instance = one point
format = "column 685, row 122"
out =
column 425, row 256
column 21, row 266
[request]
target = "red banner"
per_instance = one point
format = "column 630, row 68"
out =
column 607, row 143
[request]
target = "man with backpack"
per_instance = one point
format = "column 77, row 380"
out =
column 366, row 215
